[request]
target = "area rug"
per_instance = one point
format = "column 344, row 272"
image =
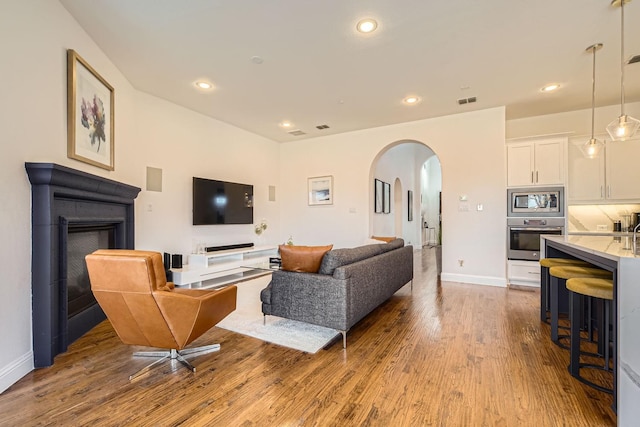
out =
column 247, row 319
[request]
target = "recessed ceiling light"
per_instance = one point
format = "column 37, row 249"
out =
column 550, row 88
column 286, row 124
column 367, row 25
column 204, row 85
column 411, row 100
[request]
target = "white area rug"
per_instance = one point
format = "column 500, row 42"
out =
column 247, row 319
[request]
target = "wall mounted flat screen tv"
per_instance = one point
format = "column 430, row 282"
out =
column 221, row 202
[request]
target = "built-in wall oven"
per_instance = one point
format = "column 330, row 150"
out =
column 523, row 236
column 531, row 213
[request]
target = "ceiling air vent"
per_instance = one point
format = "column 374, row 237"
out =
column 297, row 132
column 321, row 127
column 634, row 59
column 470, row 100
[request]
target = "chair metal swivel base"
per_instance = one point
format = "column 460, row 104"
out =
column 172, row 355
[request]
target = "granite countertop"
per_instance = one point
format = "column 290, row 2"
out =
column 608, row 246
column 600, row 233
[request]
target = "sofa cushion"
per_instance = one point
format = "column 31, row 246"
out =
column 304, row 259
column 339, row 257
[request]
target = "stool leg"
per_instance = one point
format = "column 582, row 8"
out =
column 602, row 324
column 605, row 325
column 574, row 310
column 544, row 293
column 553, row 306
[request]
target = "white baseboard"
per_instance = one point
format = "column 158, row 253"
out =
column 17, row 369
column 474, row 280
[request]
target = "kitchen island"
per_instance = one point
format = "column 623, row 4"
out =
column 616, row 254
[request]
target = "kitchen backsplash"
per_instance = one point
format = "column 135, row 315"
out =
column 589, row 217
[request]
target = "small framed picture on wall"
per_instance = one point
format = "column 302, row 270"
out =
column 410, row 205
column 320, row 190
column 387, row 198
column 378, row 196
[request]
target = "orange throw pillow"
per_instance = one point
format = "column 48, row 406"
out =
column 383, row 239
column 303, row 259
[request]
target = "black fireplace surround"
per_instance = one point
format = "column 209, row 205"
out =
column 66, row 201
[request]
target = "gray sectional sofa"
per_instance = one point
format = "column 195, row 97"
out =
column 350, row 284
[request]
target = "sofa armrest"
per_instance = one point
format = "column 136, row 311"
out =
column 313, row 298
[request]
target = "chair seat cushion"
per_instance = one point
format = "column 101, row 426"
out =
column 557, row 262
column 571, row 271
column 593, row 287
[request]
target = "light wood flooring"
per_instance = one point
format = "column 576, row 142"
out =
column 444, row 354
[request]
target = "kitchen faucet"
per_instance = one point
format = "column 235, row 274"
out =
column 635, row 238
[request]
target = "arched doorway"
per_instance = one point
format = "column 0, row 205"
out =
column 400, row 164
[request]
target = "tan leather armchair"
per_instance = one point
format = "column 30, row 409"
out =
column 146, row 310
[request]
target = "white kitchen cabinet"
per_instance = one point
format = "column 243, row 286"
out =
column 523, row 273
column 586, row 176
column 622, row 170
column 611, row 177
column 536, row 162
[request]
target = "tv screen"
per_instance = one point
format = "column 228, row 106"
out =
column 220, row 202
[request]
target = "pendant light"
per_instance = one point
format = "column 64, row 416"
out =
column 592, row 148
column 623, row 127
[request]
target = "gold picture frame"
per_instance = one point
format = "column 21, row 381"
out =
column 90, row 123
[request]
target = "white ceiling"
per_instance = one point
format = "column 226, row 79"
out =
column 317, row 69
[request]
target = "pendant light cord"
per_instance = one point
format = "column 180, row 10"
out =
column 593, row 93
column 622, row 57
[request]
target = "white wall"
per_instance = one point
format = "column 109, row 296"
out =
column 471, row 150
column 34, row 37
column 185, row 144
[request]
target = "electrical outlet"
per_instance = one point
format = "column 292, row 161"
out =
column 601, row 227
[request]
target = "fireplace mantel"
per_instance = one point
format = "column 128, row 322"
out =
column 61, row 197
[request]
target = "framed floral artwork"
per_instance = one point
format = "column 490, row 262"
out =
column 90, row 114
column 320, row 190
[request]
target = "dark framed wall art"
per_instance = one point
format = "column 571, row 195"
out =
column 386, row 199
column 378, row 196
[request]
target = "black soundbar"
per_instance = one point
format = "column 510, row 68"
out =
column 225, row 247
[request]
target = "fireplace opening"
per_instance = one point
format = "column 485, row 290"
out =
column 81, row 241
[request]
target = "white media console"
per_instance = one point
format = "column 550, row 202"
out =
column 215, row 269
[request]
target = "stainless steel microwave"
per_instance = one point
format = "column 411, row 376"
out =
column 536, row 202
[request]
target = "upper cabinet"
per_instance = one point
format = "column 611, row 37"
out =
column 611, row 177
column 538, row 161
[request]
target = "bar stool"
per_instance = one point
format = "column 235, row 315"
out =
column 559, row 276
column 545, row 265
column 601, row 290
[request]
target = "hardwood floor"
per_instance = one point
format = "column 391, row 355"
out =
column 443, row 355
